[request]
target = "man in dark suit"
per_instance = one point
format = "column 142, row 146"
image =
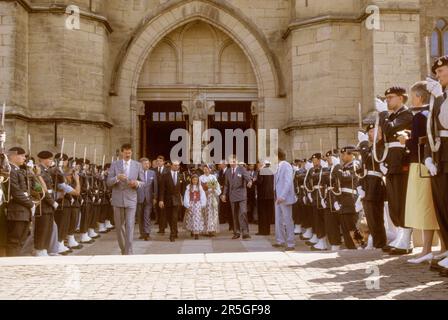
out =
column 225, row 212
column 265, row 197
column 237, row 180
column 160, row 212
column 251, row 197
column 170, row 198
column 20, row 206
column 146, row 198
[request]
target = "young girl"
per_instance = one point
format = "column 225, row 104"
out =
column 194, row 201
column 212, row 189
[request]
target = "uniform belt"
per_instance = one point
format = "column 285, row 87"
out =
column 375, row 173
column 26, row 194
column 316, row 187
column 348, row 190
column 395, row 145
column 443, row 133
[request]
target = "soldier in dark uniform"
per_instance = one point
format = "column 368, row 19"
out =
column 85, row 201
column 396, row 164
column 73, row 203
column 436, row 155
column 297, row 213
column 332, row 219
column 371, row 187
column 265, row 197
column 107, row 207
column 20, row 207
column 345, row 202
column 305, row 198
column 313, row 182
column 44, row 222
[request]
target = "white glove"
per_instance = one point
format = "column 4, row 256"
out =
column 431, row 166
column 335, row 160
column 323, row 164
column 304, row 199
column 361, row 192
column 310, row 196
column 434, row 87
column 383, row 169
column 322, row 202
column 30, row 164
column 33, row 210
column 380, row 105
column 337, row 206
column 55, row 205
column 358, row 205
column 362, row 136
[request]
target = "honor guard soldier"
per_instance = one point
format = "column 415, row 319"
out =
column 372, row 189
column 347, row 179
column 45, row 221
column 307, row 198
column 396, row 164
column 20, row 207
column 436, row 154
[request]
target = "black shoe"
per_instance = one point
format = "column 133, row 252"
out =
column 386, row 248
column 246, row 237
column 172, row 239
column 303, row 238
column 79, row 246
column 236, row 236
column 290, row 249
column 399, row 252
column 161, row 232
column 278, row 245
column 315, row 249
column 196, row 237
column 146, row 238
column 308, row 243
column 434, row 266
column 443, row 272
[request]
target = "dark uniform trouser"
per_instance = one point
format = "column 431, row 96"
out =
column 74, row 215
column 439, row 185
column 95, row 216
column 374, row 211
column 17, row 233
column 264, row 215
column 103, row 212
column 332, row 227
column 172, row 214
column 42, row 231
column 307, row 220
column 62, row 219
column 396, row 188
column 296, row 213
column 86, row 211
column 348, row 223
column 319, row 222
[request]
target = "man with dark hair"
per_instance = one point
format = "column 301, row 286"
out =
column 20, row 206
column 125, row 177
column 160, row 212
column 285, row 197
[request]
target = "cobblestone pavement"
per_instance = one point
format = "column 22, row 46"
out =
column 218, row 268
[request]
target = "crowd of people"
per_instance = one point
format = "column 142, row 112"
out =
column 366, row 196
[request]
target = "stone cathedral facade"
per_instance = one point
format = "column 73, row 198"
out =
column 137, row 69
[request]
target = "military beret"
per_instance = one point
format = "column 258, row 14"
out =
column 17, row 150
column 399, row 91
column 370, row 126
column 107, row 166
column 45, row 155
column 333, row 152
column 440, row 62
column 58, row 156
column 316, row 156
column 348, row 149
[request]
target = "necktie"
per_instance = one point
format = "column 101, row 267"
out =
column 233, row 172
column 174, row 178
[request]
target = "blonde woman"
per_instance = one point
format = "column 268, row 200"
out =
column 210, row 184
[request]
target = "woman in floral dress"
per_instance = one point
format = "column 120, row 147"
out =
column 212, row 189
column 194, row 201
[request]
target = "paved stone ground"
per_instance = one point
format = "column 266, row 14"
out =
column 218, row 268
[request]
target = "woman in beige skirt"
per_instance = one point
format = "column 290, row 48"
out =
column 420, row 213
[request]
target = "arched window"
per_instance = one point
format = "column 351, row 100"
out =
column 439, row 39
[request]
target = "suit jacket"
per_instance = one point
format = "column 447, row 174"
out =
column 265, row 186
column 19, row 207
column 159, row 177
column 235, row 185
column 149, row 190
column 284, row 183
column 122, row 195
column 171, row 194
